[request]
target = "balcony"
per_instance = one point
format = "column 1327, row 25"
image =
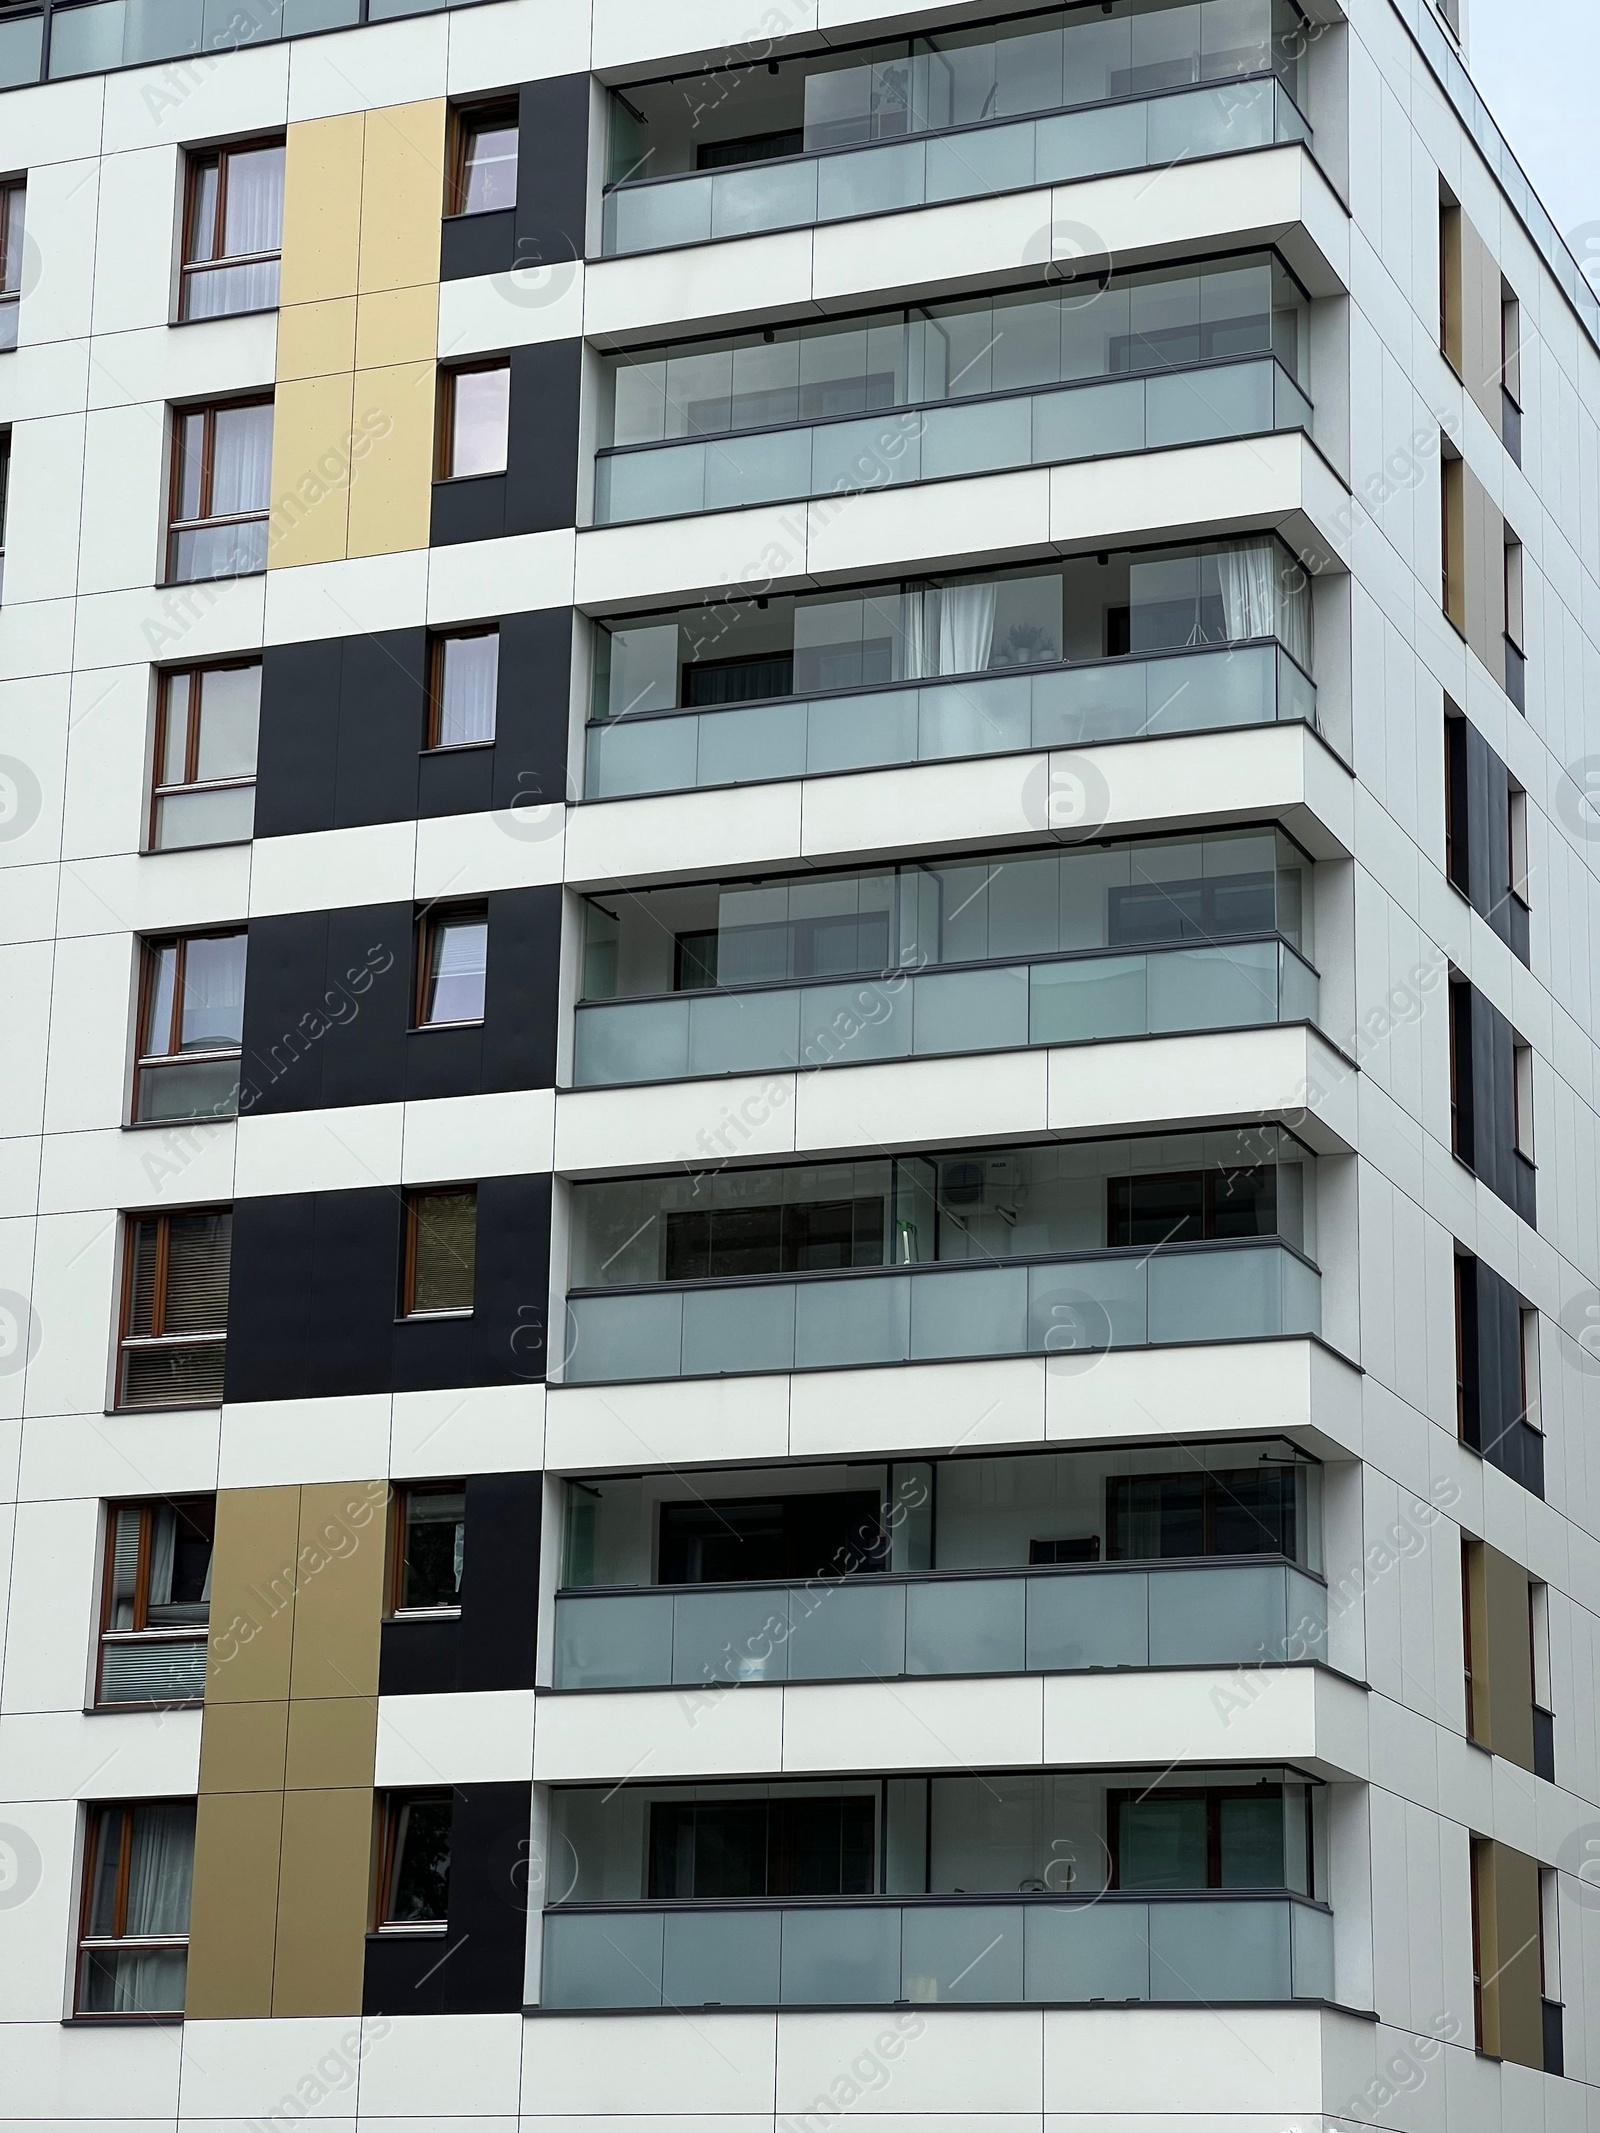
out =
column 881, row 1627
column 957, row 163
column 1082, row 999
column 1047, row 1950
column 934, row 441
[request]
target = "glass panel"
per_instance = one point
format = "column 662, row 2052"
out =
column 970, row 440
column 1211, row 1296
column 157, row 1671
column 839, row 1323
column 114, row 1983
column 445, row 1250
column 419, row 1888
column 869, row 183
column 458, row 951
column 1080, row 1951
column 212, row 1010
column 852, row 1023
column 226, row 816
column 981, row 1312
column 603, row 1959
column 241, row 469
column 840, row 1958
column 648, row 755
column 964, row 1011
column 966, row 1626
column 1219, row 1951
column 614, row 1338
column 434, row 1547
column 489, row 167
column 721, row 1958
column 219, row 552
column 1214, row 988
column 469, row 670
column 614, row 1642
column 755, row 470
column 729, row 1636
column 1086, row 1306
column 768, row 741
column 1216, row 1617
column 1079, row 1622
column 661, row 483
column 847, row 1631
column 646, row 1040
column 970, row 1952
column 1088, row 422
column 855, row 732
column 196, row 1088
column 730, row 1033
column 230, row 715
column 726, row 1331
column 479, row 413
column 21, row 48
column 1161, row 1841
column 1098, row 998
column 1080, row 144
column 974, row 718
column 1311, row 1934
column 781, row 197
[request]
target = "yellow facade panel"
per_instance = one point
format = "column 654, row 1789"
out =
column 391, row 500
column 402, row 195
column 333, row 1743
column 311, row 464
column 234, row 1906
column 323, row 1899
column 243, row 1747
column 322, row 208
column 344, row 1534
column 315, row 340
column 253, row 1578
column 397, row 326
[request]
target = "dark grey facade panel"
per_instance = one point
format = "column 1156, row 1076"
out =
column 476, row 1966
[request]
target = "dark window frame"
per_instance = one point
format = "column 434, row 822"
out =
column 1213, row 1796
column 391, row 1809
column 465, row 121
column 445, row 427
column 195, row 162
column 396, row 1609
column 87, row 1943
column 411, row 1199
column 208, row 410
column 157, row 1340
column 432, row 744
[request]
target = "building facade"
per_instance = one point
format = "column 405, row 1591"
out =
column 799, row 1275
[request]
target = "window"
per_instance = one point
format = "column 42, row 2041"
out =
column 430, row 1544
column 204, row 787
column 1451, row 264
column 1453, row 540
column 221, row 485
column 1510, row 1961
column 1486, row 832
column 1461, row 1107
column 474, row 418
column 1522, row 1070
column 1516, row 626
column 462, row 686
column 414, row 1863
column 13, row 197
column 441, row 1247
column 452, row 964
column 175, row 1309
column 774, row 1847
column 232, row 231
column 5, row 483
column 1213, row 1838
column 133, row 1937
column 483, row 177
column 191, row 1021
column 1250, row 1511
column 157, row 1601
column 1511, row 373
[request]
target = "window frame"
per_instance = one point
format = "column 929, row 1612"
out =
column 11, row 299
column 411, row 1200
column 141, row 1632
column 196, row 160
column 151, row 1343
column 1213, row 1796
column 444, row 446
column 87, row 1943
column 165, row 676
column 437, row 641
column 428, row 924
column 391, row 1806
column 146, row 1061
column 396, row 1609
column 176, row 526
column 465, row 120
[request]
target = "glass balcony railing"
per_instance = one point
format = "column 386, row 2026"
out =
column 1061, row 1306
column 1102, row 419
column 1080, row 999
column 965, row 163
column 1209, row 691
column 1050, row 1950
column 880, row 1627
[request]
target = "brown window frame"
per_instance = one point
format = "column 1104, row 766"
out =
column 387, row 1850
column 86, row 1943
column 465, row 120
column 194, row 162
column 10, row 299
column 165, row 677
column 437, row 640
column 410, row 1198
column 1213, row 1796
column 427, row 925
column 146, row 1061
column 396, row 1609
column 126, row 1341
column 445, row 440
column 209, row 409
column 141, row 1632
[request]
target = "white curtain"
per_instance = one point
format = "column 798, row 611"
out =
column 966, row 627
column 159, row 1871
column 162, row 1549
column 255, row 202
column 915, row 633
column 1249, row 589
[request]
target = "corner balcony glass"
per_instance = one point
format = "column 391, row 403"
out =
column 1104, row 418
column 964, row 163
column 880, row 1627
column 1209, row 691
column 1067, row 1306
column 1050, row 1950
column 1082, row 999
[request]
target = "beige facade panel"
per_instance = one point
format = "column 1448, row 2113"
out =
column 402, row 195
column 324, row 1896
column 1510, row 1970
column 1484, row 555
column 1510, row 1652
column 244, row 1747
column 254, row 1573
column 233, row 1911
column 343, row 1538
column 322, row 199
column 311, row 465
column 332, row 1743
column 391, row 489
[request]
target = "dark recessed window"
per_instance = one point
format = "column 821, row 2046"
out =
column 414, row 1862
column 157, row 1601
column 233, row 231
column 452, row 961
column 13, row 201
column 430, row 1547
column 781, row 1847
column 462, row 688
column 174, row 1309
column 204, row 787
column 191, row 1021
column 221, row 490
column 474, row 420
column 484, row 173
column 133, row 1937
column 441, row 1250
column 1214, row 1839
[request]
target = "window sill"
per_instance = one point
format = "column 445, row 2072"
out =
column 426, row 1614
column 420, row 1029
column 412, row 1318
column 229, row 577
column 451, row 481
column 170, row 851
column 455, row 747
column 154, row 1703
column 431, row 1929
column 119, row 2021
column 195, row 1118
column 221, row 318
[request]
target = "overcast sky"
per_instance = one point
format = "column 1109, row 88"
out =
column 1537, row 66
